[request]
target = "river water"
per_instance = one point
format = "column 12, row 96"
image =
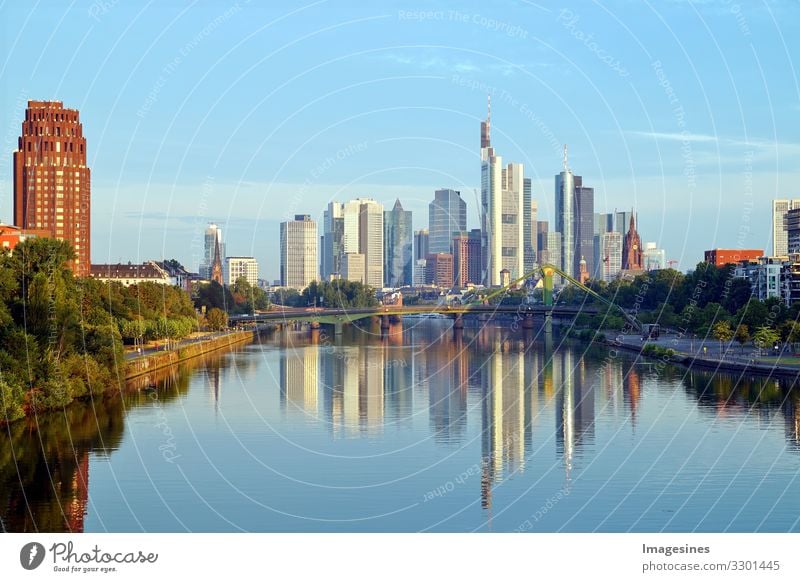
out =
column 423, row 429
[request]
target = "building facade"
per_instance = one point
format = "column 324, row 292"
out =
column 447, row 213
column 632, row 249
column 211, row 237
column 52, row 190
column 467, row 258
column 721, row 257
column 421, row 244
column 584, row 226
column 780, row 234
column 371, row 241
column 332, row 240
column 398, row 239
column 565, row 216
column 131, row 274
column 299, row 262
column 439, row 269
column 654, row 258
column 610, row 255
column 354, row 267
column 240, row 267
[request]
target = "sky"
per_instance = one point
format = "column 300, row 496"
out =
column 246, row 113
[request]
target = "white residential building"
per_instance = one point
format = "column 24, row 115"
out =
column 237, row 267
column 780, row 236
column 299, row 260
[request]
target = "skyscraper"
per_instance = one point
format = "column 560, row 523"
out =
column 780, row 237
column 370, row 240
column 610, row 255
column 212, row 237
column 491, row 205
column 299, row 252
column 531, row 228
column 398, row 241
column 236, row 268
column 584, row 225
column 565, row 216
column 447, row 213
column 52, row 190
column 505, row 214
column 332, row 240
column 421, row 244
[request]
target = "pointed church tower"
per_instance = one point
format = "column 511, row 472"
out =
column 632, row 248
column 216, row 266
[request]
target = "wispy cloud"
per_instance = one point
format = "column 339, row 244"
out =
column 665, row 136
column 427, row 63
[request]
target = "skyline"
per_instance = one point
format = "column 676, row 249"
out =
column 336, row 101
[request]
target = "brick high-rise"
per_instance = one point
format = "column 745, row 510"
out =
column 51, row 180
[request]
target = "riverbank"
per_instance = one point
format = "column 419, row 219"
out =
column 696, row 354
column 144, row 365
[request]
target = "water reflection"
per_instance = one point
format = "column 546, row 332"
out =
column 521, row 403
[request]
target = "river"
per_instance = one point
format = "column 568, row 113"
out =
column 489, row 429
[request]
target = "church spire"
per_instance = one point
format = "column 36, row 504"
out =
column 216, row 266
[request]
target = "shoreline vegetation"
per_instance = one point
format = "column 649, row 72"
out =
column 64, row 338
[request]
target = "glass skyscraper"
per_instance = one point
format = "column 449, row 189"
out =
column 398, row 237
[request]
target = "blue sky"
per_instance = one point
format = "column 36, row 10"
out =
column 245, row 113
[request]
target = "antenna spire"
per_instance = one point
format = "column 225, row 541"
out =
column 566, row 165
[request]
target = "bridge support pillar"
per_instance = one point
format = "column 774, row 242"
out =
column 337, row 328
column 548, row 323
column 313, row 325
column 384, row 322
column 458, row 321
column 527, row 321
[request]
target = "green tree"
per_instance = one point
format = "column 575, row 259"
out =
column 765, row 337
column 217, row 319
column 742, row 335
column 722, row 333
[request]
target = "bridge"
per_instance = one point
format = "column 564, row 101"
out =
column 480, row 306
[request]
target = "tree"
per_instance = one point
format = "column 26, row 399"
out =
column 722, row 332
column 217, row 319
column 765, row 337
column 742, row 335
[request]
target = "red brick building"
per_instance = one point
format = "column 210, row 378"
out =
column 51, row 180
column 11, row 236
column 439, row 269
column 632, row 248
column 467, row 258
column 720, row 257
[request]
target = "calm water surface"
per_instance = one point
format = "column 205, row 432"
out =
column 490, row 430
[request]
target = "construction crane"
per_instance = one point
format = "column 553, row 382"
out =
column 671, row 263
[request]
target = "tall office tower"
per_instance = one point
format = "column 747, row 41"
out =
column 632, row 248
column 555, row 245
column 398, row 239
column 351, row 220
column 370, row 240
column 584, row 225
column 491, row 205
column 780, row 237
column 299, row 265
column 421, row 244
column 235, row 268
column 446, row 214
column 610, row 255
column 621, row 222
column 534, row 249
column 565, row 216
column 653, row 258
column 603, row 223
column 467, row 258
column 511, row 239
column 528, row 235
column 212, row 237
column 542, row 226
column 332, row 240
column 52, row 185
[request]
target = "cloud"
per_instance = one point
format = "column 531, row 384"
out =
column 685, row 136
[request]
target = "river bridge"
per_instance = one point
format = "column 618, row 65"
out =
column 524, row 312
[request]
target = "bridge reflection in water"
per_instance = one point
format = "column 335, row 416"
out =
column 516, row 402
